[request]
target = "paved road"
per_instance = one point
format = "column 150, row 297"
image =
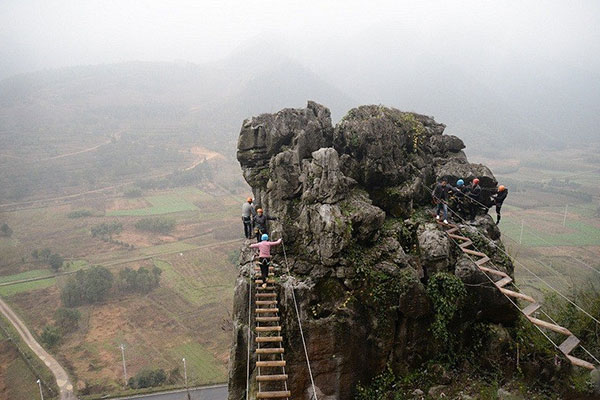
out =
column 62, row 379
column 205, row 393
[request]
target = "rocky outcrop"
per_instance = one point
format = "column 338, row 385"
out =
column 351, row 203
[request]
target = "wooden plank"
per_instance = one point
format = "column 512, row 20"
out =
column 269, row 339
column 552, row 327
column 482, row 261
column 266, row 310
column 270, row 350
column 259, row 281
column 465, row 244
column 503, row 282
column 452, row 230
column 266, row 302
column 517, row 295
column 266, row 295
column 274, row 395
column 271, row 378
column 473, row 252
column 457, row 237
column 568, row 345
column 581, row 363
column 530, row 309
column 493, row 271
column 268, row 329
column 278, row 363
column 266, row 288
column 267, row 319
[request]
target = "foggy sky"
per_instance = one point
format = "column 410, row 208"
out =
column 486, row 35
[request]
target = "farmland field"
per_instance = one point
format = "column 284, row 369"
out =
column 186, row 316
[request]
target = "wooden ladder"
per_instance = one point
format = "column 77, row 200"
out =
column 501, row 279
column 271, row 377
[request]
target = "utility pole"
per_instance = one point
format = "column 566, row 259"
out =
column 122, row 347
column 565, row 217
column 40, row 385
column 521, row 235
column 185, row 378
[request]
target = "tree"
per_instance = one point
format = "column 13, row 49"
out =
column 35, row 254
column 56, row 261
column 45, row 254
column 87, row 286
column 67, row 319
column 50, row 336
column 159, row 225
column 5, row 230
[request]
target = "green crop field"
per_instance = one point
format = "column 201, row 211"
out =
column 7, row 291
column 161, row 204
column 202, row 366
column 581, row 234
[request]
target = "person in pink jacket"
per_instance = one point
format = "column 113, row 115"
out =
column 264, row 255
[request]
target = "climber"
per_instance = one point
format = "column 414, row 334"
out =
column 440, row 198
column 248, row 212
column 260, row 224
column 264, row 255
column 474, row 194
column 499, row 198
column 458, row 198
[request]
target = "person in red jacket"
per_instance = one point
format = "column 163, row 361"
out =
column 264, row 255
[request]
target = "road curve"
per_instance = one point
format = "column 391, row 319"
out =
column 62, row 379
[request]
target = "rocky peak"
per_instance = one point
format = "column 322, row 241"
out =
column 350, row 201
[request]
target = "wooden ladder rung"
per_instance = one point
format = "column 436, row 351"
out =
column 267, row 310
column 269, row 339
column 473, row 252
column 503, row 282
column 568, row 345
column 273, row 395
column 517, row 295
column 482, row 261
column 270, row 378
column 552, row 327
column 581, row 363
column 494, row 271
column 266, row 288
column 268, row 329
column 458, row 237
column 259, row 281
column 465, row 244
column 278, row 363
column 266, row 295
column 267, row 319
column 266, row 302
column 452, row 230
column 270, row 350
column 530, row 309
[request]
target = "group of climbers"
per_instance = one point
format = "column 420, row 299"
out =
column 255, row 223
column 465, row 199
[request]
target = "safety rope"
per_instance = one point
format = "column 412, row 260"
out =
column 249, row 335
column 312, row 381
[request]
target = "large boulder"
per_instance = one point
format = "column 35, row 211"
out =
column 351, row 203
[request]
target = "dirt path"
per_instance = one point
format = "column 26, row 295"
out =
column 74, row 153
column 62, row 379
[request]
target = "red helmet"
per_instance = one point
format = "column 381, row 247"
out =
column 249, row 199
column 476, row 181
column 501, row 188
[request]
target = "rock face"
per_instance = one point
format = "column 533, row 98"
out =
column 350, row 203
